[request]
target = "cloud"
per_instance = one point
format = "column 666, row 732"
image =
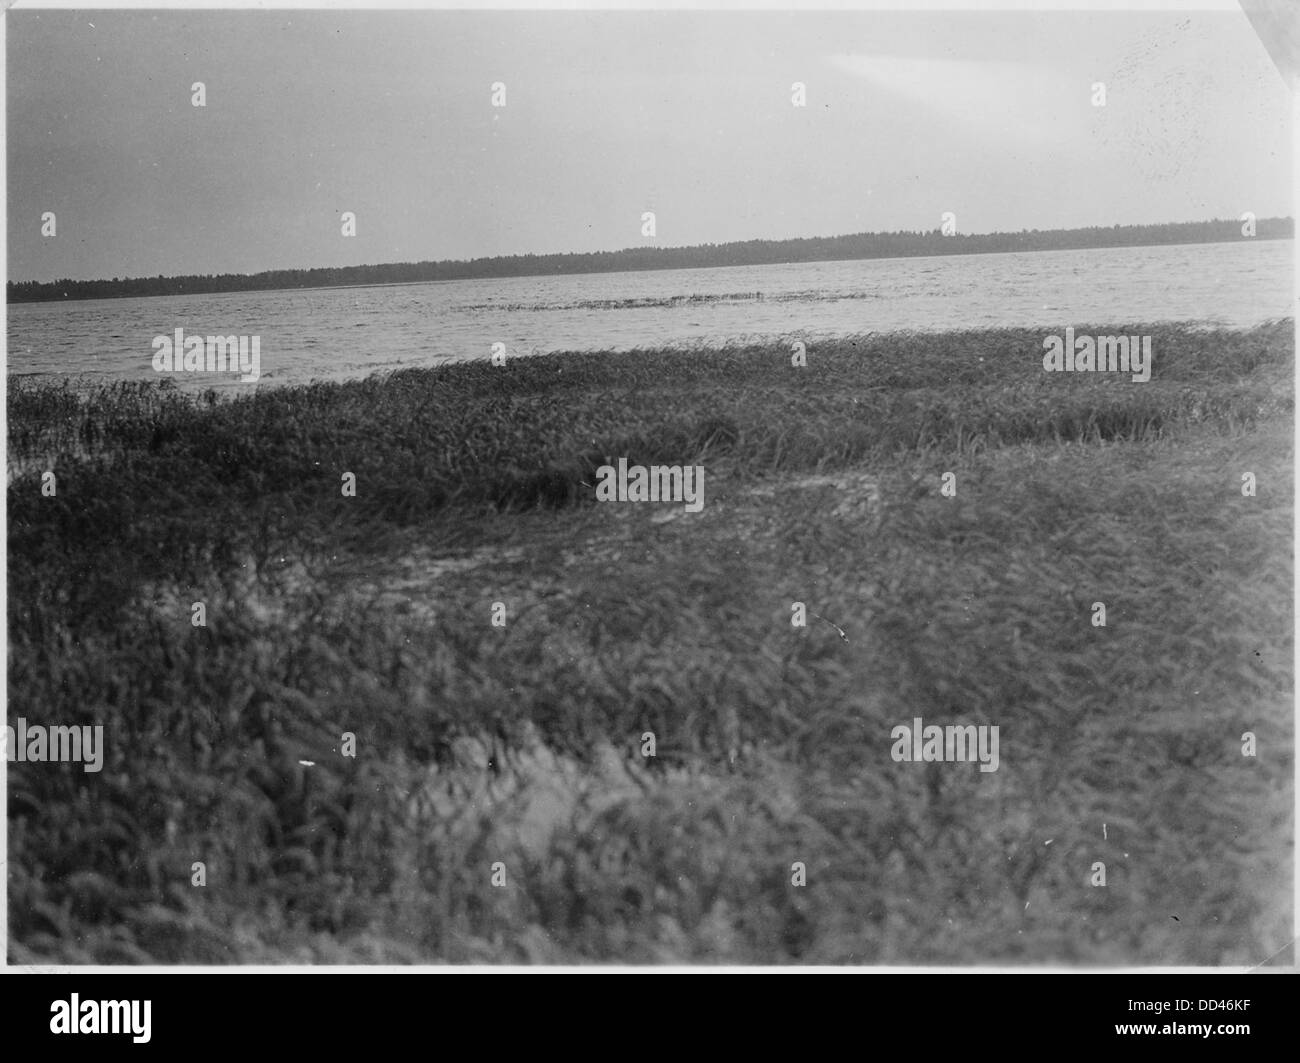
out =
column 1027, row 104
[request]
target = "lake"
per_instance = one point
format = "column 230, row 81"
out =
column 342, row 333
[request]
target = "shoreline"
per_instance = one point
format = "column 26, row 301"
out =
column 1230, row 236
column 198, row 384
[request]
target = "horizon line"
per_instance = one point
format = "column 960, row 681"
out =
column 653, row 247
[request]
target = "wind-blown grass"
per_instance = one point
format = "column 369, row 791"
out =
column 479, row 744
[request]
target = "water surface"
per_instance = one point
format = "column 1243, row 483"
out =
column 341, row 333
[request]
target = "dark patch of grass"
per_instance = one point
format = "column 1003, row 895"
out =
column 773, row 741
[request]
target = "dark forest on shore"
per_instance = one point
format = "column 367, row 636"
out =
column 742, row 253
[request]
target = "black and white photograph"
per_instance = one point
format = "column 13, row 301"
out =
column 671, row 488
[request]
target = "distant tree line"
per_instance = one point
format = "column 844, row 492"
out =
column 743, row 253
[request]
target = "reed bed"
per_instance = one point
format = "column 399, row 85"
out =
column 521, row 744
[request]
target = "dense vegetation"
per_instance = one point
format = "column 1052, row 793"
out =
column 744, row 253
column 520, row 744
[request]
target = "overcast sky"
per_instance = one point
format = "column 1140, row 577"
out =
column 609, row 114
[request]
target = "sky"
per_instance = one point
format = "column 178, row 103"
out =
column 608, row 114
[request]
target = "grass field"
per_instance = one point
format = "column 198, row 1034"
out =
column 520, row 745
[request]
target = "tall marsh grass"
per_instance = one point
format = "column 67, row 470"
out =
column 773, row 741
